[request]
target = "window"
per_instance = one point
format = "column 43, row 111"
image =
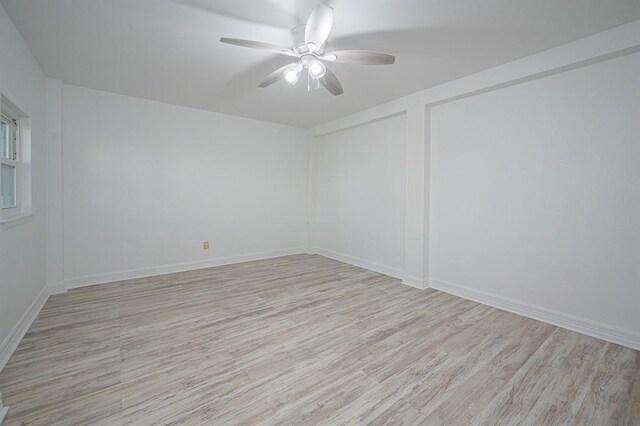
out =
column 8, row 159
column 15, row 164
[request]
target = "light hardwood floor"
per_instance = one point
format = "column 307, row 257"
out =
column 305, row 340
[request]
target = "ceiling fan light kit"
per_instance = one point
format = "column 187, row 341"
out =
column 293, row 75
column 308, row 41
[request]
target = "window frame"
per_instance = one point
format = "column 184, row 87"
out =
column 13, row 160
column 21, row 159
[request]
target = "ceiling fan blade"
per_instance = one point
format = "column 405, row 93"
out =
column 276, row 75
column 318, row 27
column 331, row 83
column 258, row 45
column 361, row 57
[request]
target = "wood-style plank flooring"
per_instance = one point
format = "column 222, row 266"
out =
column 306, row 340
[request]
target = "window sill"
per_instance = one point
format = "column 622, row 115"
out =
column 15, row 220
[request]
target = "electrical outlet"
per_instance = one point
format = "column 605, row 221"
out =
column 205, row 245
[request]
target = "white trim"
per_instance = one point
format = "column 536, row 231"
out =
column 56, row 288
column 15, row 220
column 591, row 328
column 3, row 409
column 20, row 155
column 362, row 263
column 14, row 217
column 11, row 342
column 415, row 282
column 3, row 412
column 177, row 267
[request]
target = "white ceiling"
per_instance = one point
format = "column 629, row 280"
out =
column 168, row 50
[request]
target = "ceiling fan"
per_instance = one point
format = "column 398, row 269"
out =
column 308, row 47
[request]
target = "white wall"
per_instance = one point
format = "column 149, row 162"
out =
column 145, row 183
column 535, row 193
column 22, row 243
column 360, row 187
column 572, row 261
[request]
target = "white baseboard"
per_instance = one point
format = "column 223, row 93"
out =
column 3, row 412
column 178, row 267
column 372, row 266
column 56, row 288
column 591, row 328
column 11, row 342
column 362, row 263
column 415, row 282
